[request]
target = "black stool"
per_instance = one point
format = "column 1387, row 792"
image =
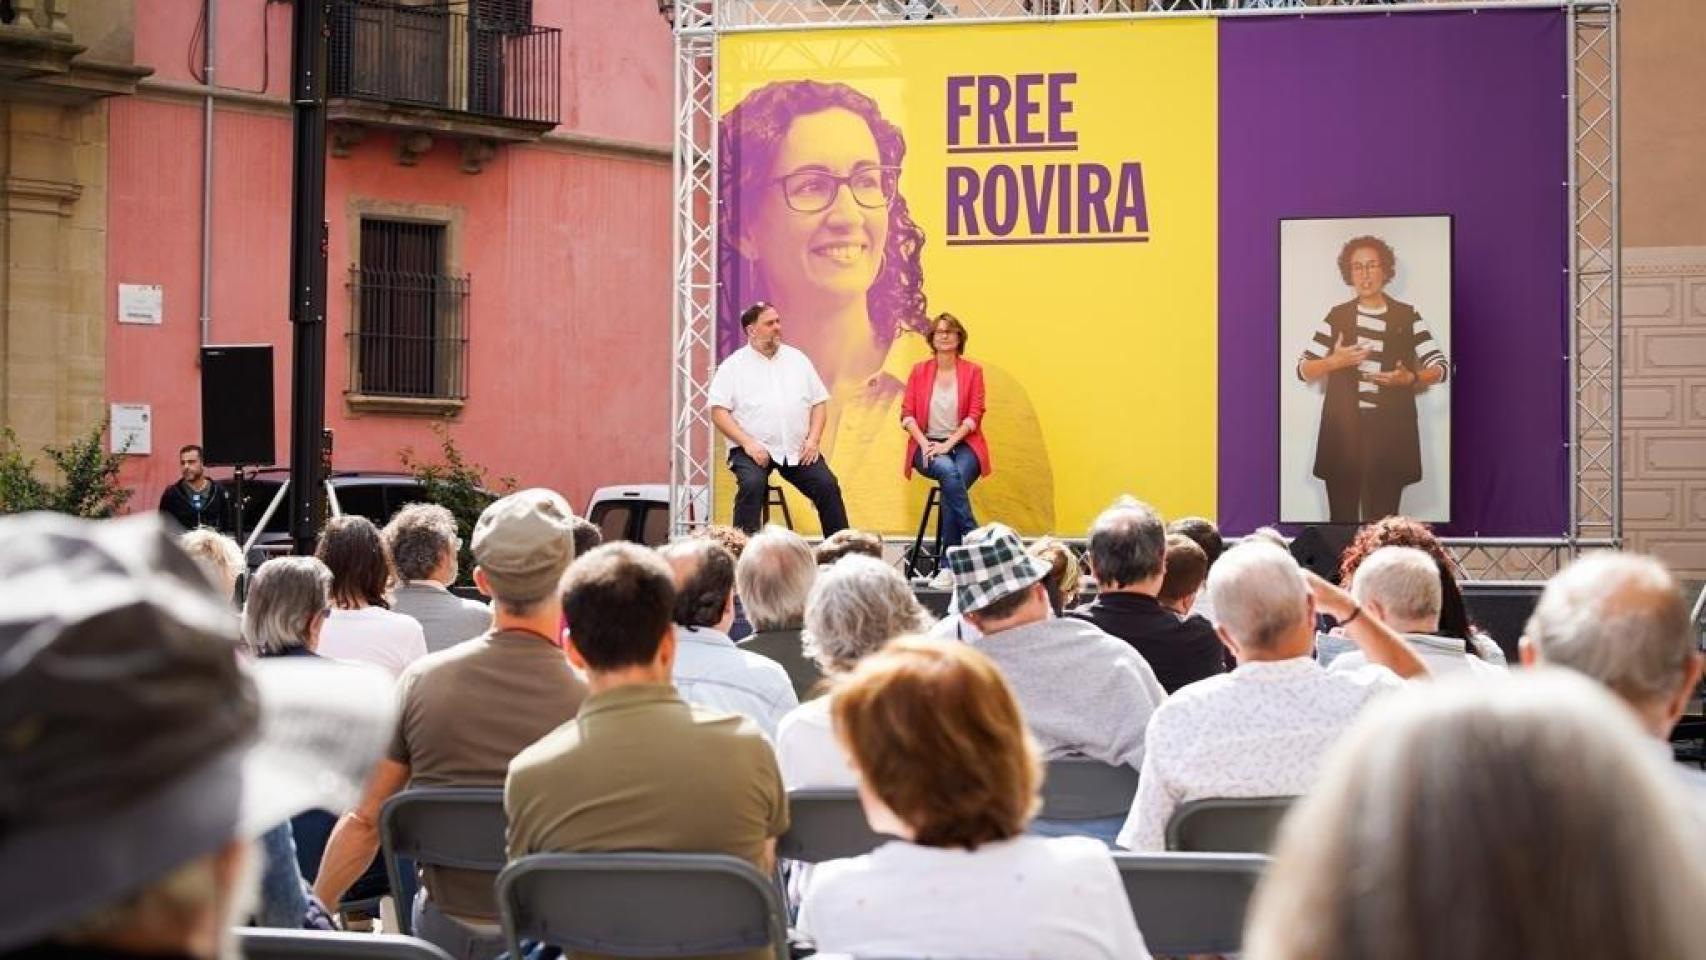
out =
column 773, row 498
column 916, row 557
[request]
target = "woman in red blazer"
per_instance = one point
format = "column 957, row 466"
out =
column 942, row 414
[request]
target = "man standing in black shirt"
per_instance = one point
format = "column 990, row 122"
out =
column 196, row 501
column 1128, row 551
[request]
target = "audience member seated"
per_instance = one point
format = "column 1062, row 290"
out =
column 587, row 536
column 134, row 788
column 1453, row 613
column 423, row 543
column 218, row 555
column 772, row 579
column 362, row 627
column 640, row 768
column 1206, row 535
column 858, row 605
column 844, row 543
column 1585, row 852
column 945, row 764
column 1128, row 549
column 289, row 601
column 1064, row 580
column 709, row 668
column 1082, row 690
column 1400, row 587
column 468, row 710
column 1620, row 619
column 1186, row 570
column 1261, row 730
column 289, row 598
column 734, row 540
column 1268, row 534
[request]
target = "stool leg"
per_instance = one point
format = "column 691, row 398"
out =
column 918, row 541
column 936, row 495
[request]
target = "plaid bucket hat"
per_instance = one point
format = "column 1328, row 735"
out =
column 991, row 564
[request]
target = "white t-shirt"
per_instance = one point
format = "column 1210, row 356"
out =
column 807, row 752
column 770, row 397
column 375, row 635
column 1443, row 655
column 1058, row 898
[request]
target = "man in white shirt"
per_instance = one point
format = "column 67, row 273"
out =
column 1263, row 729
column 709, row 669
column 1400, row 587
column 769, row 401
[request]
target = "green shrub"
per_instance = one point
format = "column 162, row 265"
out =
column 86, row 486
column 460, row 487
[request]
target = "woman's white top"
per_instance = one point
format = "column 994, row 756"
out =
column 384, row 638
column 1054, row 898
column 806, row 749
column 944, row 416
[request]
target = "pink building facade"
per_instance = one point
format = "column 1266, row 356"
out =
column 561, row 234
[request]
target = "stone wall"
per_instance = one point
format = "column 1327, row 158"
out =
column 53, row 174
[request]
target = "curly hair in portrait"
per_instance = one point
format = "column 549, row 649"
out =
column 1398, row 531
column 749, row 138
column 1388, row 259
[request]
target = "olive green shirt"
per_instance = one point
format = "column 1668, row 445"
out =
column 641, row 769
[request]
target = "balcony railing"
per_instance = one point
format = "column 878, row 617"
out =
column 432, row 57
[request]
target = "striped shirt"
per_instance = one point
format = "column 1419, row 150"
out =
column 1371, row 333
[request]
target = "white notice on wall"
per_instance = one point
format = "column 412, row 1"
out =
column 133, row 428
column 140, row 303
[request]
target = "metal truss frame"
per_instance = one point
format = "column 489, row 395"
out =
column 1593, row 273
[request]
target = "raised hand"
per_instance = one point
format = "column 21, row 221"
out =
column 1347, row 353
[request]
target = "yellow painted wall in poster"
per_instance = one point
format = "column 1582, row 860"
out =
column 1108, row 339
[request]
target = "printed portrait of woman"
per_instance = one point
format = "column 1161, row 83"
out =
column 812, row 220
column 1373, row 360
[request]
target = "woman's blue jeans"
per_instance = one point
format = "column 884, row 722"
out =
column 954, row 472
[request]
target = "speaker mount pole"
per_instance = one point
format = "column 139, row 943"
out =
column 307, row 269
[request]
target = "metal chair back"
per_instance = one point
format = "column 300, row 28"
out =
column 641, row 904
column 1190, row 903
column 256, row 943
column 440, row 827
column 1222, row 825
column 1079, row 788
column 826, row 823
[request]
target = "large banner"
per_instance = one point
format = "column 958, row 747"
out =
column 1061, row 189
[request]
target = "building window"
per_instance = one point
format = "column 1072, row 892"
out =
column 408, row 332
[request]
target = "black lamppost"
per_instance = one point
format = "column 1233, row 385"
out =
column 307, row 269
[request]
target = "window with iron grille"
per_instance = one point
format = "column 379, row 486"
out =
column 409, row 316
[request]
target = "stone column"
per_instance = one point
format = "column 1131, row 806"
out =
column 53, row 173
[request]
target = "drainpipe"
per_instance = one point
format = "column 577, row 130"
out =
column 212, row 9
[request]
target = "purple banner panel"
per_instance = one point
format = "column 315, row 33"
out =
column 1407, row 114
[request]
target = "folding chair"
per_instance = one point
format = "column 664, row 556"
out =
column 262, row 944
column 826, row 823
column 440, row 827
column 641, row 904
column 1224, row 825
column 1190, row 903
column 1079, row 788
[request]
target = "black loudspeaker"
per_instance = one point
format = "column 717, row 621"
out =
column 236, row 406
column 1318, row 547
